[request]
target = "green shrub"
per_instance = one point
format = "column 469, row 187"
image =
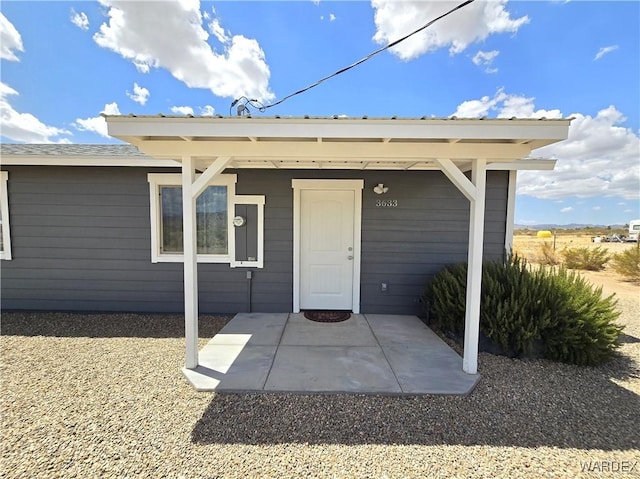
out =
column 627, row 263
column 523, row 311
column 583, row 328
column 591, row 259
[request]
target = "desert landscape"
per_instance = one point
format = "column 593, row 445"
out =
column 527, row 245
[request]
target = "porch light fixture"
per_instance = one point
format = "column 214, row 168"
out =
column 380, row 189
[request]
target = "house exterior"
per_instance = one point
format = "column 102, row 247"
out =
column 226, row 215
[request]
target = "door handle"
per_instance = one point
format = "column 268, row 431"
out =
column 349, row 257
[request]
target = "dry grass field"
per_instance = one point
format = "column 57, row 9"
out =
column 529, row 247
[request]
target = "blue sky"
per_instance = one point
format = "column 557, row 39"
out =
column 63, row 63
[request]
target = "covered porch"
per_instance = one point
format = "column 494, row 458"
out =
column 366, row 354
column 463, row 150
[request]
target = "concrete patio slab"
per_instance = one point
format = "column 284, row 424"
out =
column 355, row 331
column 232, row 367
column 394, row 329
column 367, row 354
column 331, row 369
column 264, row 329
column 425, row 371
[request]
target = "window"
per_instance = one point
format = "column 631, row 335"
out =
column 214, row 219
column 5, row 236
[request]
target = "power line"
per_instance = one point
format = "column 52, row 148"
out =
column 256, row 104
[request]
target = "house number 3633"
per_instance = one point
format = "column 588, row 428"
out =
column 386, row 203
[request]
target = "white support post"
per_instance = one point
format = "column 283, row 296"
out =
column 190, row 263
column 511, row 210
column 474, row 272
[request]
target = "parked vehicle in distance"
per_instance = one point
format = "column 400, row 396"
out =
column 634, row 230
column 609, row 239
column 615, row 239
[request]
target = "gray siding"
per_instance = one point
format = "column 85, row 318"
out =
column 81, row 241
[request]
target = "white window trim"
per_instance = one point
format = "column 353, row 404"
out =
column 156, row 180
column 4, row 214
column 259, row 202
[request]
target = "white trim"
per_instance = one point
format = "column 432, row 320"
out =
column 334, row 161
column 527, row 132
column 28, row 160
column 291, row 151
column 511, row 210
column 353, row 185
column 259, row 202
column 4, row 215
column 171, row 179
column 526, row 164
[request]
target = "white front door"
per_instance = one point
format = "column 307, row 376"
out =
column 327, row 220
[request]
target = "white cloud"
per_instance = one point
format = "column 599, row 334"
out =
column 568, row 209
column 207, row 110
column 140, row 94
column 473, row 23
column 503, row 105
column 80, row 20
column 216, row 29
column 332, row 17
column 522, row 107
column 604, row 50
column 476, row 108
column 147, row 33
column 599, row 157
column 97, row 124
column 10, row 40
column 597, row 208
column 485, row 59
column 182, row 110
column 25, row 127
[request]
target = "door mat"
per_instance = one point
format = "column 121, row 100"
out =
column 327, row 316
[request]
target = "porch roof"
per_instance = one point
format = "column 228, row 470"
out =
column 341, row 143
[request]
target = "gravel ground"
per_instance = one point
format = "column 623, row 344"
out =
column 103, row 396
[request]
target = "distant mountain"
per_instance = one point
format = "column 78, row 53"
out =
column 571, row 226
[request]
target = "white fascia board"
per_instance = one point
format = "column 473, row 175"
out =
column 383, row 129
column 542, row 165
column 27, row 160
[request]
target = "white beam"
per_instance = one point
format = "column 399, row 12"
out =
column 511, row 210
column 456, row 176
column 190, row 263
column 213, row 170
column 523, row 165
column 474, row 269
column 282, row 150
